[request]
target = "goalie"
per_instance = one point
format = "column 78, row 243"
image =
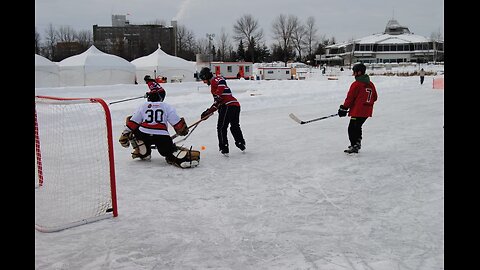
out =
column 149, row 126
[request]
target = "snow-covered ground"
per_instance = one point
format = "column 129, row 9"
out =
column 294, row 200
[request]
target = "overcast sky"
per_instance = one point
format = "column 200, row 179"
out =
column 342, row 19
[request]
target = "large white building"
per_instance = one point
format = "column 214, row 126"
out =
column 395, row 45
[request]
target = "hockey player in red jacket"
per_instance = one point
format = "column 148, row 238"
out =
column 228, row 110
column 359, row 104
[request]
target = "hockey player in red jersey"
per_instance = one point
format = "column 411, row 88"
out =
column 228, row 110
column 153, row 84
column 149, row 126
column 359, row 104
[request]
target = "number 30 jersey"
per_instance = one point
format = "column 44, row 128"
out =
column 152, row 118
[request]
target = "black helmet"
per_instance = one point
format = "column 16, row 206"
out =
column 147, row 78
column 359, row 67
column 205, row 74
column 156, row 95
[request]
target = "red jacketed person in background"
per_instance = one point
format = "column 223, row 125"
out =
column 359, row 104
column 228, row 111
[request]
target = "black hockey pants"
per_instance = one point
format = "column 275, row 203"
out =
column 229, row 115
column 355, row 129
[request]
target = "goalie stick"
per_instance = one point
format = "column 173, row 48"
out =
column 296, row 119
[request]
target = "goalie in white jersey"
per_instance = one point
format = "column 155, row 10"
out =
column 149, row 126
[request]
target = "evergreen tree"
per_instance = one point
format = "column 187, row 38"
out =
column 241, row 51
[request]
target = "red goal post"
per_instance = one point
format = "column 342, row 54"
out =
column 74, row 160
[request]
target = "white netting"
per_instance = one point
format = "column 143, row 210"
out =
column 73, row 185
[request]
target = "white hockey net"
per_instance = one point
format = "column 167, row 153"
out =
column 74, row 167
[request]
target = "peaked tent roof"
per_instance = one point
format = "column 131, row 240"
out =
column 41, row 61
column 164, row 65
column 46, row 72
column 94, row 58
column 94, row 67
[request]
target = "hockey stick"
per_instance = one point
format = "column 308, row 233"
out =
column 123, row 100
column 194, row 125
column 296, row 119
column 188, row 135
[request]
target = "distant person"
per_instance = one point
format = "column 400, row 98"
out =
column 359, row 104
column 153, row 85
column 422, row 75
column 228, row 111
column 341, row 68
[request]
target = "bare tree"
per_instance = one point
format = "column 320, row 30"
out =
column 247, row 29
column 37, row 41
column 299, row 36
column 84, row 38
column 223, row 44
column 283, row 28
column 436, row 35
column 51, row 41
column 202, row 46
column 311, row 35
column 66, row 34
column 185, row 39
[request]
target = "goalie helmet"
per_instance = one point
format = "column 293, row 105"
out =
column 156, row 95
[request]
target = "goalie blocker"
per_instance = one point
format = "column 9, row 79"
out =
column 181, row 157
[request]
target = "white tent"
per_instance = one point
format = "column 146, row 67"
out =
column 161, row 64
column 46, row 72
column 94, row 67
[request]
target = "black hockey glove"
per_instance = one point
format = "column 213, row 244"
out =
column 342, row 111
column 206, row 113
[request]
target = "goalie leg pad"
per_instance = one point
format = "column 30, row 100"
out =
column 183, row 151
column 184, row 158
column 124, row 141
column 140, row 149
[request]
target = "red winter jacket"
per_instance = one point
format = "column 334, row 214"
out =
column 360, row 97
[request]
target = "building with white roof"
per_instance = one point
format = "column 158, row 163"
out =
column 395, row 45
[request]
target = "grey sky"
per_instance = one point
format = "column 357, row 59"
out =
column 342, row 19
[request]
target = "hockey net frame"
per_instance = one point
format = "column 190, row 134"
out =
column 64, row 196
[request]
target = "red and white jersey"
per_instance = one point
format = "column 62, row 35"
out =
column 152, row 85
column 153, row 118
column 222, row 93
